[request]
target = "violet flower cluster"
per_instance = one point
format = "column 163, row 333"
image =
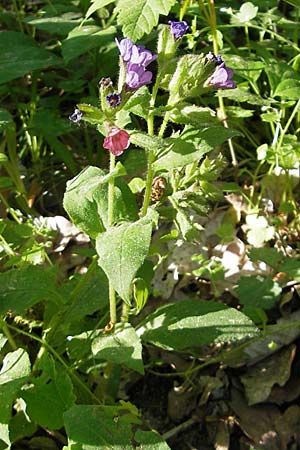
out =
column 137, row 58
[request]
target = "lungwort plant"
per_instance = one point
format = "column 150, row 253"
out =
column 91, row 331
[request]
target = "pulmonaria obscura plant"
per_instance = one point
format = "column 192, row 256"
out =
column 179, row 133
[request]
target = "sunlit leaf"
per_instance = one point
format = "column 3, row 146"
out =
column 143, row 17
column 191, row 323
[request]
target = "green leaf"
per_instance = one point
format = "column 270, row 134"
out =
column 288, row 89
column 189, row 77
column 95, row 5
column 139, row 102
column 248, row 68
column 6, row 120
column 192, row 115
column 144, row 140
column 120, row 429
column 270, row 256
column 191, row 146
column 61, row 25
column 20, row 55
column 15, row 370
column 143, row 17
column 87, row 37
column 23, row 287
column 85, row 200
column 86, row 299
column 260, row 292
column 291, row 267
column 123, row 347
column 243, row 95
column 49, row 395
column 294, row 2
column 122, row 250
column 191, row 323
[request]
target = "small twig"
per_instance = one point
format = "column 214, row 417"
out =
column 183, row 426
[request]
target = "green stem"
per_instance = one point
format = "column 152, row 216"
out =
column 149, row 181
column 213, row 27
column 59, row 358
column 110, row 221
column 8, row 334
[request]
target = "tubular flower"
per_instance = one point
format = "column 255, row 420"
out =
column 117, row 141
column 221, row 78
column 113, row 99
column 137, row 76
column 137, row 58
column 179, row 29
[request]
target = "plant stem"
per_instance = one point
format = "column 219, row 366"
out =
column 59, row 358
column 213, row 27
column 110, row 221
column 149, row 180
column 8, row 334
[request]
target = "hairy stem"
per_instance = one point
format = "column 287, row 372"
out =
column 110, row 221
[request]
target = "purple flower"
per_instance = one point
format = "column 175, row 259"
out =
column 179, row 29
column 113, row 99
column 140, row 55
column 137, row 58
column 76, row 116
column 137, row 76
column 125, row 48
column 221, row 78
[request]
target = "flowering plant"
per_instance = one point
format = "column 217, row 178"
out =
column 186, row 78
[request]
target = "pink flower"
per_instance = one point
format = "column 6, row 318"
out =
column 117, row 141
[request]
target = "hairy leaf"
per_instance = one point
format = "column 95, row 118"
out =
column 191, row 323
column 122, row 250
column 14, row 372
column 109, row 427
column 121, row 347
column 143, row 17
column 23, row 287
column 49, row 395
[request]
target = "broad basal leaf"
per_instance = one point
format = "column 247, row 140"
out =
column 191, row 323
column 122, row 250
column 109, row 427
column 23, row 287
column 14, row 372
column 121, row 347
column 20, row 55
column 141, row 18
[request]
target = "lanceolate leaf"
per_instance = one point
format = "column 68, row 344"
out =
column 190, row 323
column 140, row 18
column 122, row 250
